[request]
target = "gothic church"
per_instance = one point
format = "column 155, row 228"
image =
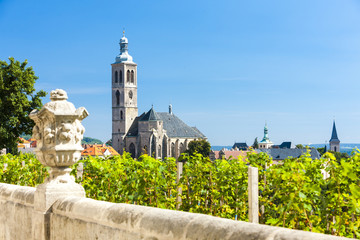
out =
column 158, row 134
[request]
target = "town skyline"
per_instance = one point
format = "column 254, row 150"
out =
column 226, row 68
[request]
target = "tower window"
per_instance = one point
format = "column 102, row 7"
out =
column 117, row 97
column 128, row 76
column 121, row 77
column 132, row 76
column 116, row 76
column 121, row 115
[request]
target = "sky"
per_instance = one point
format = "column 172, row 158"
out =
column 227, row 67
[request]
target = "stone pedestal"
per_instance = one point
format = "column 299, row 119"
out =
column 58, row 132
column 46, row 194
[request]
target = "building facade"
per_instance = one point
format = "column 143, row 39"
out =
column 157, row 134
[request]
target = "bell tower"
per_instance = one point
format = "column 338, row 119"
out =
column 124, row 95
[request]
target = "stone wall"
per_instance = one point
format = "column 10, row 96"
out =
column 83, row 218
column 16, row 209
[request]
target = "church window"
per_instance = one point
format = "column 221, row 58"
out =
column 132, row 150
column 120, row 77
column 121, row 115
column 116, row 76
column 173, row 149
column 128, row 76
column 117, row 97
column 132, row 76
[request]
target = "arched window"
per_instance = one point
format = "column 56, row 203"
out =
column 153, row 147
column 132, row 150
column 172, row 149
column 121, row 115
column 121, row 77
column 128, row 76
column 165, row 149
column 117, row 97
column 116, row 76
column 132, row 76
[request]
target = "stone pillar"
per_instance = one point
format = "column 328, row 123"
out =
column 58, row 132
column 253, row 194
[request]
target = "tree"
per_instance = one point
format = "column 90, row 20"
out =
column 299, row 146
column 89, row 140
column 321, row 150
column 17, row 99
column 201, row 146
column 255, row 144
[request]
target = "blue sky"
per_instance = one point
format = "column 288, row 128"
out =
column 227, row 67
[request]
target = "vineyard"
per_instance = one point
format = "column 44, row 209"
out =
column 294, row 194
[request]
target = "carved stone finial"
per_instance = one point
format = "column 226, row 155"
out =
column 58, row 94
column 58, row 131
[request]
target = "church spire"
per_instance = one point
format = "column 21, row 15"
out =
column 334, row 136
column 334, row 141
column 124, row 55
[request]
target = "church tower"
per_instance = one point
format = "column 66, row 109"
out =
column 334, row 141
column 124, row 95
column 265, row 142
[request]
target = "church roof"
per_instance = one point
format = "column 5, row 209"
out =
column 240, row 146
column 151, row 115
column 175, row 127
column 283, row 153
column 133, row 130
column 334, row 137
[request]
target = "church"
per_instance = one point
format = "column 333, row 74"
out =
column 159, row 134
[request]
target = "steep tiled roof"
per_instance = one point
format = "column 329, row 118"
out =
column 133, row 130
column 172, row 124
column 98, row 150
column 151, row 115
column 334, row 137
column 229, row 154
column 176, row 128
column 240, row 146
column 283, row 153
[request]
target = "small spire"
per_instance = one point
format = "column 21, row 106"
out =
column 170, row 109
column 123, row 32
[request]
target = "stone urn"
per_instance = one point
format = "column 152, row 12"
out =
column 58, row 132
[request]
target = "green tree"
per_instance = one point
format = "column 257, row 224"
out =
column 89, row 140
column 299, row 146
column 201, row 146
column 340, row 155
column 255, row 144
column 17, row 99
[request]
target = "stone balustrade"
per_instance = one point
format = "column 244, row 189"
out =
column 83, row 218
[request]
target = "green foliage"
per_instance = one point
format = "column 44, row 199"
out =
column 201, row 146
column 109, row 142
column 17, row 99
column 148, row 181
column 88, row 140
column 293, row 194
column 321, row 150
column 339, row 155
column 300, row 146
column 23, row 169
column 255, row 144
